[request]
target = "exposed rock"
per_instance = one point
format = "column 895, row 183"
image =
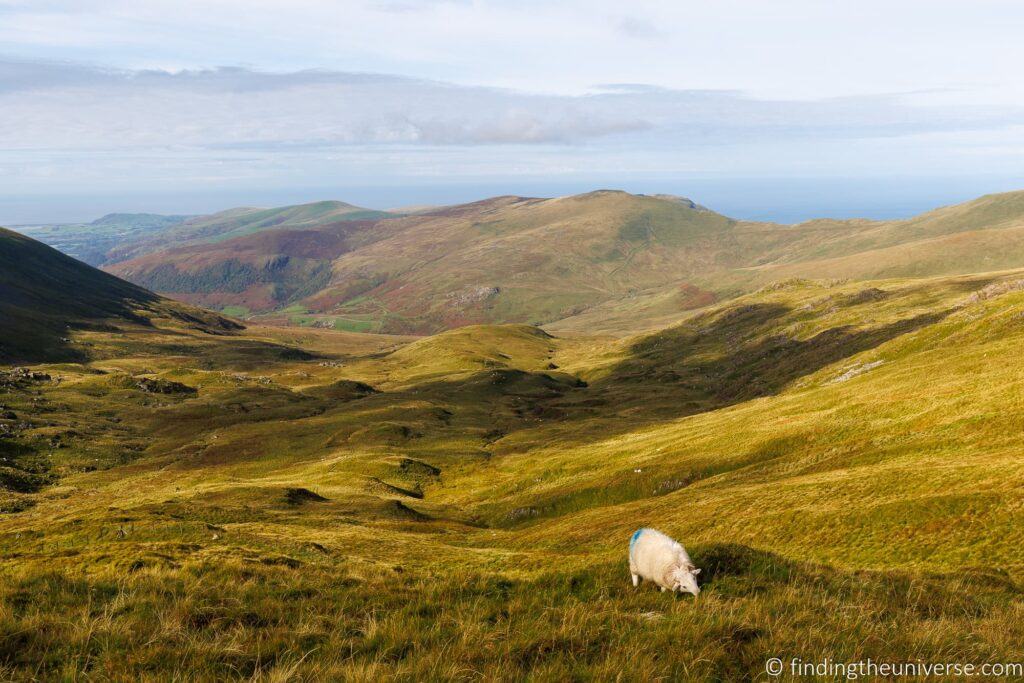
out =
column 522, row 513
column 418, row 468
column 857, row 370
column 996, row 289
column 472, row 296
column 299, row 496
column 163, row 386
column 17, row 378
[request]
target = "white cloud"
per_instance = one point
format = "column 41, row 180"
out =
column 70, row 107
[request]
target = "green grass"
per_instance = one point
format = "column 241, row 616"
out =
column 841, row 459
column 349, row 325
column 235, row 311
column 241, row 617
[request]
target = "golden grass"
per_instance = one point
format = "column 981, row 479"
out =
column 841, row 458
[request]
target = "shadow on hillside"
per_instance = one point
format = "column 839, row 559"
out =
column 46, row 333
column 733, row 359
column 45, row 296
column 689, row 370
column 735, row 570
column 695, row 368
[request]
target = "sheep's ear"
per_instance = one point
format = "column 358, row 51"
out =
column 695, row 571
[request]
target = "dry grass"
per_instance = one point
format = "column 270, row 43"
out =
column 875, row 517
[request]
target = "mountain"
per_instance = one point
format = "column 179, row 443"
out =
column 245, row 221
column 981, row 235
column 91, row 242
column 506, row 259
column 262, row 271
column 138, row 221
column 118, row 236
column 581, row 258
column 45, row 294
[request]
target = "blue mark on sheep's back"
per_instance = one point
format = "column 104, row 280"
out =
column 632, row 539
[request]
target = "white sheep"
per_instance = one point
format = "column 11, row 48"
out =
column 656, row 557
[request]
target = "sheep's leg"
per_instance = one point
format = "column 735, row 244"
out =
column 662, row 589
column 636, row 579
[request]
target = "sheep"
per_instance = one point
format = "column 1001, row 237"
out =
column 656, row 557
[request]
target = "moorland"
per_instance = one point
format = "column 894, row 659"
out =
column 321, row 443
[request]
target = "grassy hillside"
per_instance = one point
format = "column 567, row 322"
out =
column 239, row 222
column 842, row 459
column 508, row 259
column 45, row 296
column 604, row 261
column 264, row 271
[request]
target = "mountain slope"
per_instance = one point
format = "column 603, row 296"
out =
column 238, row 222
column 44, row 294
column 507, row 259
column 261, row 272
column 590, row 259
column 841, row 459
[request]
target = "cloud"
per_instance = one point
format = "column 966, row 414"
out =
column 636, row 27
column 74, row 130
column 69, row 107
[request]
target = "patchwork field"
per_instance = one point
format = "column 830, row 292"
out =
column 841, row 458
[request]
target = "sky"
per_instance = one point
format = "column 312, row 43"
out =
column 781, row 110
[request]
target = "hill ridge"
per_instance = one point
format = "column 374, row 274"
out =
column 519, row 259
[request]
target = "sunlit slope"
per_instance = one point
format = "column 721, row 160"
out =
column 872, row 428
column 841, row 459
column 599, row 262
column 983, row 235
column 1003, row 211
column 507, row 259
column 263, row 271
column 829, row 423
column 527, row 260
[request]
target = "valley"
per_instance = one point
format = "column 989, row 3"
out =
column 187, row 495
column 571, row 263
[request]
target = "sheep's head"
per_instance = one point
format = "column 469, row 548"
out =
column 684, row 579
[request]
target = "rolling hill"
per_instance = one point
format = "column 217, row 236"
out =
column 841, row 459
column 183, row 498
column 118, row 236
column 44, row 295
column 244, row 221
column 581, row 259
column 507, row 259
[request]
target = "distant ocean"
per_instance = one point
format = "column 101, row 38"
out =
column 784, row 200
